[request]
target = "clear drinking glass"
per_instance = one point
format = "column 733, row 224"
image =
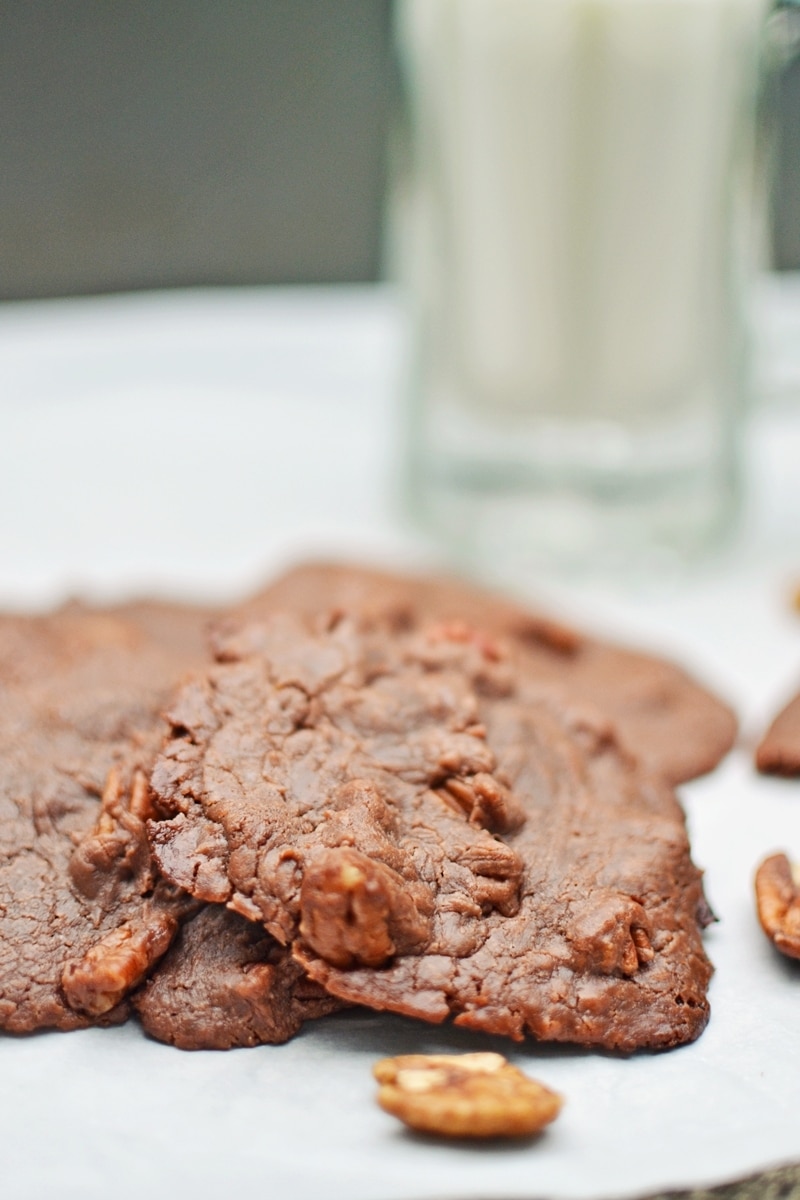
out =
column 575, row 234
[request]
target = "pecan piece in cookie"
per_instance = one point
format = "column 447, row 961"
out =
column 356, row 912
column 118, row 962
column 602, row 945
column 110, row 863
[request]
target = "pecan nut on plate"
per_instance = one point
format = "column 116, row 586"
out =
column 464, row 1095
column 778, row 900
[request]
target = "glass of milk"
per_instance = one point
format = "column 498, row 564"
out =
column 575, row 230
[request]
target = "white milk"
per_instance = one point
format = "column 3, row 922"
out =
column 578, row 241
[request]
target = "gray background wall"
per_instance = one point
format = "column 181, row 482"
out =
column 171, row 142
column 786, row 169
column 190, row 142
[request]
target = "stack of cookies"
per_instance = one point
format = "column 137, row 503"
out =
column 354, row 788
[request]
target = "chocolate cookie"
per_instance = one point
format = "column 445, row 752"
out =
column 310, row 753
column 605, row 949
column 225, row 982
column 779, row 750
column 81, row 914
column 669, row 721
column 433, row 836
column 84, row 918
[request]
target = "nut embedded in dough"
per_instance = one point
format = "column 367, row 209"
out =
column 105, row 974
column 356, row 911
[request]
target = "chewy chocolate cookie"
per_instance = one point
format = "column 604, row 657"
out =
column 312, row 752
column 84, row 916
column 669, row 721
column 224, row 982
column 778, row 752
column 432, row 835
column 80, row 695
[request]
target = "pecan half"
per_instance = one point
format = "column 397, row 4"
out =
column 778, row 901
column 464, row 1095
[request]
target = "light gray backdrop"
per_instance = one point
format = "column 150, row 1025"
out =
column 168, row 142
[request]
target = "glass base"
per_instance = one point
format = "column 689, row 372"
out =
column 510, row 518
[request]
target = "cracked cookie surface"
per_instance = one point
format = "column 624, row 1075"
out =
column 336, row 784
column 605, row 948
column 80, row 696
column 668, row 720
column 433, row 836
